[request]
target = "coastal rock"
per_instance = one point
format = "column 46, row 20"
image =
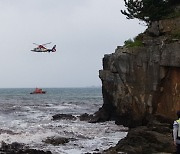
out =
column 57, row 140
column 167, row 26
column 18, row 148
column 141, row 89
column 63, row 117
column 2, row 131
column 93, row 118
column 86, row 117
column 144, row 140
column 140, row 82
column 155, row 137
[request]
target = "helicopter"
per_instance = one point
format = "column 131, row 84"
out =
column 42, row 48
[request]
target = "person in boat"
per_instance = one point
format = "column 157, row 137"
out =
column 176, row 133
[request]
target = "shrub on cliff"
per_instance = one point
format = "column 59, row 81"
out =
column 136, row 42
column 149, row 10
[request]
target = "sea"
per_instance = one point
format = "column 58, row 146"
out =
column 27, row 118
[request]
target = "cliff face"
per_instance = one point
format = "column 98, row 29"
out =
column 140, row 82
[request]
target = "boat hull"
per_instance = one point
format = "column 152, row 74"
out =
column 43, row 92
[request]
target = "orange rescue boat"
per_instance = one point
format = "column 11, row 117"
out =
column 38, row 91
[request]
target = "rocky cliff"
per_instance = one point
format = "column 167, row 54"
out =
column 141, row 82
column 141, row 89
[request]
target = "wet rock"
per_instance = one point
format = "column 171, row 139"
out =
column 57, row 140
column 14, row 146
column 86, row 117
column 18, row 148
column 144, row 140
column 93, row 152
column 99, row 116
column 2, row 131
column 63, row 117
column 155, row 137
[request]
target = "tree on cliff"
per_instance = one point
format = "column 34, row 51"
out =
column 148, row 10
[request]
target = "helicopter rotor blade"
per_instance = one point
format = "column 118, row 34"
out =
column 46, row 43
column 36, row 44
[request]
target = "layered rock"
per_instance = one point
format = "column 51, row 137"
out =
column 140, row 82
column 141, row 89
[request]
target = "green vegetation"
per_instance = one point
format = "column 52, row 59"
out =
column 149, row 10
column 136, row 42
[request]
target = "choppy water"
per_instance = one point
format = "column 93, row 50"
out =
column 27, row 119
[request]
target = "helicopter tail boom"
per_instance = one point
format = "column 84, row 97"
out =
column 54, row 48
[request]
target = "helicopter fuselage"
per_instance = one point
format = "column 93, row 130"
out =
column 41, row 50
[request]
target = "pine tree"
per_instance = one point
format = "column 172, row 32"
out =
column 148, row 10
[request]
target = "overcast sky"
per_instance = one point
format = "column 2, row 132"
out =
column 83, row 30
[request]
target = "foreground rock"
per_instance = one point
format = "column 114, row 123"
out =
column 91, row 118
column 63, row 117
column 57, row 140
column 99, row 116
column 155, row 138
column 17, row 148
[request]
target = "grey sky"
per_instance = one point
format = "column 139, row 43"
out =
column 83, row 30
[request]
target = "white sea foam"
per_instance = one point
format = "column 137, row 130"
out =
column 28, row 138
column 28, row 119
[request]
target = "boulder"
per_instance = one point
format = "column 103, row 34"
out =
column 145, row 140
column 63, row 117
column 18, row 148
column 57, row 140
